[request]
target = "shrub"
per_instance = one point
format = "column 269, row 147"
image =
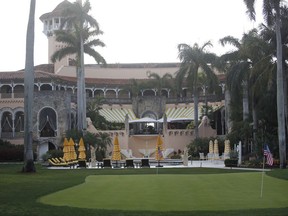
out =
column 231, row 162
column 257, row 163
column 55, row 153
column 176, row 155
column 9, row 152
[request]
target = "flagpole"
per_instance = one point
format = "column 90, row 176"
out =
column 262, row 181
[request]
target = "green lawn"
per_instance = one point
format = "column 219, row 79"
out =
column 193, row 191
column 167, row 192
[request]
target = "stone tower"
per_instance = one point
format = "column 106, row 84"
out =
column 52, row 22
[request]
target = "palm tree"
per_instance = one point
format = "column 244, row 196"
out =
column 271, row 12
column 28, row 92
column 160, row 82
column 192, row 60
column 134, row 88
column 102, row 142
column 71, row 38
column 245, row 65
column 77, row 15
column 240, row 66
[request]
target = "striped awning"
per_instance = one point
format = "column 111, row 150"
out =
column 117, row 114
column 188, row 112
column 181, row 113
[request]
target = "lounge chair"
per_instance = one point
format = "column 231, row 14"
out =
column 107, row 163
column 52, row 163
column 129, row 163
column 202, row 156
column 210, row 156
column 145, row 163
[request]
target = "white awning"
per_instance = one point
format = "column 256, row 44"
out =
column 143, row 120
column 174, row 120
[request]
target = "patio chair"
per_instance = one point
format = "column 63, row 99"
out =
column 216, row 156
column 107, row 163
column 52, row 163
column 210, row 156
column 129, row 163
column 145, row 163
column 202, row 156
column 82, row 163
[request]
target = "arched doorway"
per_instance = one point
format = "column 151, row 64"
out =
column 47, row 123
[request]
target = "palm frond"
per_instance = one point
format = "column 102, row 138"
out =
column 250, row 8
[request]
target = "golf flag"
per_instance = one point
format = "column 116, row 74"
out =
column 268, row 155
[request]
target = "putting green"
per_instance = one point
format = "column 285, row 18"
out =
column 174, row 192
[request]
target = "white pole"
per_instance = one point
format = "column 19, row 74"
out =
column 239, row 153
column 262, row 180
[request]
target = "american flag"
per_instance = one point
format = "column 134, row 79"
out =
column 268, row 155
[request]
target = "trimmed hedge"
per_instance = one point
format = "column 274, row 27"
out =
column 11, row 153
column 231, row 163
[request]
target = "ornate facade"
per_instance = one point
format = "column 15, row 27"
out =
column 55, row 105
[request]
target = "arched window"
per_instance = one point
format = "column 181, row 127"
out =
column 6, row 122
column 19, row 121
column 47, row 122
column 148, row 92
column 45, row 87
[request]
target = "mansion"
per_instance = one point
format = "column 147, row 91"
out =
column 55, row 104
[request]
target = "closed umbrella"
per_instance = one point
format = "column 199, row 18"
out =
column 116, row 155
column 73, row 155
column 159, row 150
column 227, row 148
column 211, row 150
column 66, row 155
column 81, row 150
column 216, row 149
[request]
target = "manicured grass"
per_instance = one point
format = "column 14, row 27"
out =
column 20, row 193
column 198, row 192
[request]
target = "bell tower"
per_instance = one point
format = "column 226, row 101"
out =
column 52, row 22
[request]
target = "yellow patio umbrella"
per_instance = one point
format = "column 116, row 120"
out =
column 116, row 155
column 159, row 149
column 81, row 150
column 216, row 149
column 211, row 148
column 227, row 147
column 73, row 155
column 66, row 151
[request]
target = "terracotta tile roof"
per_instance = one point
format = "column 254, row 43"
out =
column 18, row 76
column 49, row 68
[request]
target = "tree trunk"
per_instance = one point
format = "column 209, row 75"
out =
column 196, row 101
column 228, row 121
column 255, row 126
column 245, row 100
column 28, row 92
column 280, row 94
column 79, row 100
column 84, row 124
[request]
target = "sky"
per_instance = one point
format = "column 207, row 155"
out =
column 135, row 31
